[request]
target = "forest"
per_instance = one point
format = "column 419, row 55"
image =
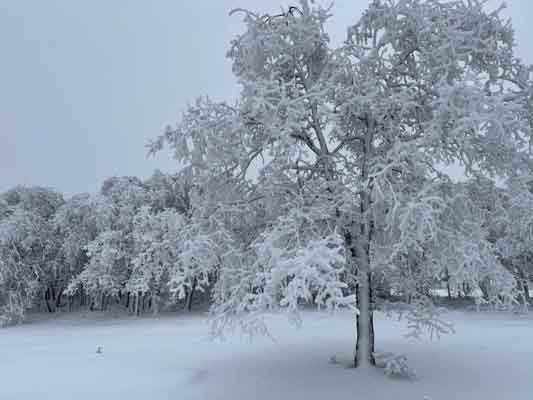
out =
column 137, row 245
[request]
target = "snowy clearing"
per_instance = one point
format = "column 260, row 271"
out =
column 170, row 357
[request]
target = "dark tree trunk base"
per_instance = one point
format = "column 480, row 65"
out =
column 361, row 325
column 190, row 294
column 372, row 358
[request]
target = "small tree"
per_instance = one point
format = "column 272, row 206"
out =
column 335, row 153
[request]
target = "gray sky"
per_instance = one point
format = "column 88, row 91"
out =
column 85, row 84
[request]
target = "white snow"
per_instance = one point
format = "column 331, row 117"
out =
column 169, row 357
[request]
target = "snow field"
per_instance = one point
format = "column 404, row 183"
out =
column 170, row 357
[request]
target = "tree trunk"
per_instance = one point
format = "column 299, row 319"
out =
column 58, row 298
column 526, row 292
column 47, row 301
column 448, row 288
column 359, row 246
column 190, row 294
column 82, row 296
column 466, row 289
column 364, row 348
column 523, row 284
column 138, row 304
column 360, row 260
column 484, row 285
column 53, row 295
column 155, row 303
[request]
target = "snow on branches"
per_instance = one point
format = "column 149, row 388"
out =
column 361, row 132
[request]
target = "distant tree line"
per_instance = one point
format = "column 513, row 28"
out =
column 126, row 245
column 135, row 245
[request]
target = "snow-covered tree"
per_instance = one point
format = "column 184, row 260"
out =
column 111, row 251
column 135, row 239
column 75, row 223
column 168, row 191
column 174, row 256
column 20, row 264
column 28, row 251
column 181, row 237
column 4, row 208
column 514, row 226
column 504, row 217
column 345, row 145
column 42, row 201
column 155, row 240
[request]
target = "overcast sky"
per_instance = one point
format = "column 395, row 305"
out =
column 85, row 84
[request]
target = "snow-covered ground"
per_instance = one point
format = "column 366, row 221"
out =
column 169, row 357
column 444, row 292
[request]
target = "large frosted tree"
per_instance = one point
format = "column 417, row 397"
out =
column 325, row 174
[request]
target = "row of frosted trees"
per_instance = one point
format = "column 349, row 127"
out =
column 139, row 245
column 125, row 245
